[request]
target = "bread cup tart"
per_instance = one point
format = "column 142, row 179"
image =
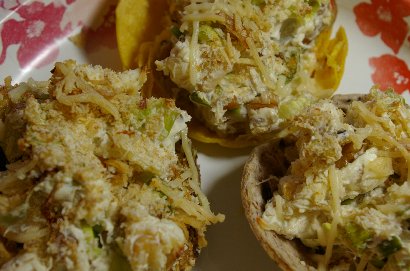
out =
column 98, row 177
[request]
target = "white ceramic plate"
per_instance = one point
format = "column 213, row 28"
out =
column 35, row 34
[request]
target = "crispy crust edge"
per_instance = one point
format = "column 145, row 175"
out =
column 264, row 161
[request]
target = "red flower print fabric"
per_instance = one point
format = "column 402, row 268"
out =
column 387, row 18
column 9, row 4
column 384, row 17
column 37, row 33
column 390, row 72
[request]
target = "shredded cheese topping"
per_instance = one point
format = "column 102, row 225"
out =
column 100, row 177
column 332, row 234
column 193, row 52
column 259, row 62
column 347, row 187
column 230, row 53
column 380, row 126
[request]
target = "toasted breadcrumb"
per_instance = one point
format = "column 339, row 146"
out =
column 83, row 149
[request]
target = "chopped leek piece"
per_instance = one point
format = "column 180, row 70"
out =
column 196, row 98
column 90, row 238
column 145, row 176
column 315, row 5
column 176, row 32
column 169, row 120
column 237, row 114
column 207, row 34
column 97, row 230
column 293, row 107
column 289, row 28
column 357, row 236
column 347, row 201
column 388, row 247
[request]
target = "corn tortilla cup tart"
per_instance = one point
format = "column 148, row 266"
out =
column 241, row 68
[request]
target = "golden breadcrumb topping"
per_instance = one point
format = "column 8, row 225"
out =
column 98, row 177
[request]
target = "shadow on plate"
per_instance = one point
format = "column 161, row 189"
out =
column 231, row 244
column 98, row 39
column 214, row 150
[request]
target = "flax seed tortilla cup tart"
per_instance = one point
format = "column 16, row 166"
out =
column 333, row 192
